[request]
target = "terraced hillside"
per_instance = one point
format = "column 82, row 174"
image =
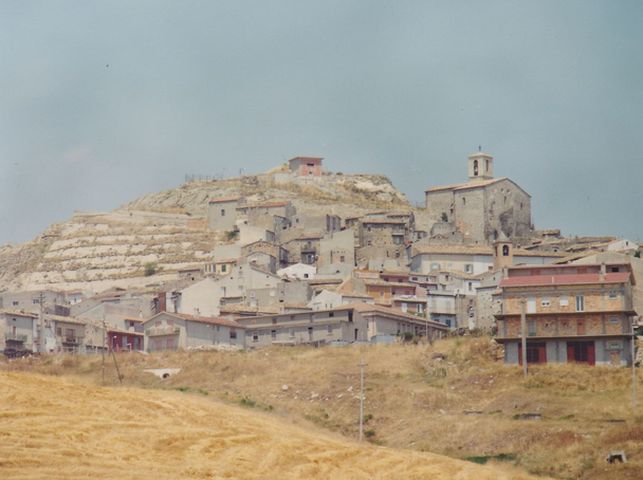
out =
column 96, row 251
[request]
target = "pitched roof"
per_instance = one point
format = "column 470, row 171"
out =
column 224, row 199
column 196, row 318
column 19, row 313
column 453, row 249
column 465, row 185
column 580, row 279
column 305, row 158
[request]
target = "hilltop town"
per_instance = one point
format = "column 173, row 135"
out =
column 303, row 255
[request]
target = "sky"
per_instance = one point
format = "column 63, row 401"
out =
column 104, row 101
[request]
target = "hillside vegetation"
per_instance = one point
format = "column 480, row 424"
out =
column 452, row 398
column 59, row 429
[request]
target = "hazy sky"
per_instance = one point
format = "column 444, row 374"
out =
column 104, row 101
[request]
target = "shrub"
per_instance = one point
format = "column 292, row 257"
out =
column 150, row 269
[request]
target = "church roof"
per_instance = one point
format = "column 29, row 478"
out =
column 472, row 185
column 465, row 185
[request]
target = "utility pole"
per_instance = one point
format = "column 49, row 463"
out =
column 41, row 324
column 523, row 335
column 361, row 399
column 103, row 349
column 634, row 376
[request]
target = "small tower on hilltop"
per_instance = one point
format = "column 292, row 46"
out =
column 480, row 166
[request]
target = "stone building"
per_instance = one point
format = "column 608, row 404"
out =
column 222, row 213
column 358, row 322
column 574, row 313
column 481, row 208
column 306, row 166
column 174, row 331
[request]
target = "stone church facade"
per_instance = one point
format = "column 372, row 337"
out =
column 481, row 210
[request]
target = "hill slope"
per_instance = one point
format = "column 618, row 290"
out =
column 96, row 251
column 462, row 403
column 83, row 431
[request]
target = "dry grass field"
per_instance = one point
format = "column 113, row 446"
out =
column 465, row 405
column 54, row 428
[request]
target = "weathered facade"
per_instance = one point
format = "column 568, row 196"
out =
column 171, row 331
column 306, row 166
column 350, row 323
column 18, row 332
column 483, row 207
column 222, row 213
column 575, row 313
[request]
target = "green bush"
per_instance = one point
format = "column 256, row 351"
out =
column 150, row 269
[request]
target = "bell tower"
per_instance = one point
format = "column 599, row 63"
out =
column 480, row 166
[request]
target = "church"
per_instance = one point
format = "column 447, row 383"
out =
column 481, row 210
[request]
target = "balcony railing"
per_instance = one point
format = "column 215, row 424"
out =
column 16, row 337
column 159, row 331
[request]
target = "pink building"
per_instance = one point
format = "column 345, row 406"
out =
column 306, row 166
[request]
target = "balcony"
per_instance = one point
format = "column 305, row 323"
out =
column 15, row 337
column 163, row 331
column 71, row 340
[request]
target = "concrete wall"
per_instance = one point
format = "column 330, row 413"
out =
column 608, row 351
column 222, row 215
column 337, row 247
column 423, row 263
column 25, row 327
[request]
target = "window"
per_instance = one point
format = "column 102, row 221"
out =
column 468, row 268
column 35, row 301
column 545, row 302
column 613, row 294
column 15, row 303
column 223, row 212
column 342, row 259
column 475, row 168
column 614, row 269
column 291, row 332
column 330, row 329
column 614, row 320
column 331, row 314
column 273, row 334
column 224, row 268
column 531, row 328
column 464, row 201
column 255, row 337
column 233, row 334
column 580, row 303
column 470, row 285
column 505, row 250
column 305, row 275
column 564, row 301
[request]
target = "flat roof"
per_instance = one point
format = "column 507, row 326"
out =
column 565, row 279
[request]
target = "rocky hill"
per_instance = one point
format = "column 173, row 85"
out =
column 97, row 251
